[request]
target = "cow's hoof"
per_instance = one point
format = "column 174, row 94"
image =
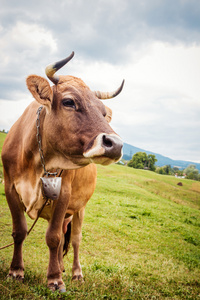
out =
column 78, row 278
column 57, row 287
column 16, row 276
column 62, row 288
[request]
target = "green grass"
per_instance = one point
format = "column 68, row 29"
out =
column 141, row 240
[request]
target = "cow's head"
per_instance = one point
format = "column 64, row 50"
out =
column 76, row 123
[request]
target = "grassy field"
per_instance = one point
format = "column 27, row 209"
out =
column 141, row 240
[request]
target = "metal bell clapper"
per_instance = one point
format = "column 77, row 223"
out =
column 51, row 187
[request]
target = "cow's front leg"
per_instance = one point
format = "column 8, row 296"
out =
column 54, row 240
column 60, row 253
column 19, row 233
column 76, row 237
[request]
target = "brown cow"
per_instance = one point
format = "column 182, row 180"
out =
column 72, row 131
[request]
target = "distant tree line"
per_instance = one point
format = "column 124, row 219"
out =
column 3, row 131
column 168, row 170
column 141, row 160
column 191, row 172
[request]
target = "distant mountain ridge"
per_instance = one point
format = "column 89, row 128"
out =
column 130, row 150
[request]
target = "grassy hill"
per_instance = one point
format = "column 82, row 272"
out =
column 141, row 240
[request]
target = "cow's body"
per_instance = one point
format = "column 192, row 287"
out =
column 25, row 165
column 74, row 130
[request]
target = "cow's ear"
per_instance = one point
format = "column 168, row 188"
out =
column 40, row 89
column 108, row 114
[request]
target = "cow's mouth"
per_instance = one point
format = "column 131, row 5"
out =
column 103, row 160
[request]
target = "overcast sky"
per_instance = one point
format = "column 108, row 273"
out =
column 153, row 44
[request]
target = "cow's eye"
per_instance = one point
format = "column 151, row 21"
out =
column 69, row 103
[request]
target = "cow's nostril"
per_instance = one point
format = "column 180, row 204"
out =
column 107, row 142
column 112, row 145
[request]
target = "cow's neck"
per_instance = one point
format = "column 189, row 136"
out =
column 40, row 145
column 49, row 159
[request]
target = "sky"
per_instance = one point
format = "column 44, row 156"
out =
column 153, row 44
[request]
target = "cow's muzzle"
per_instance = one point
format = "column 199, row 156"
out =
column 106, row 148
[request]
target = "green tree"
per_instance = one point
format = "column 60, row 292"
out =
column 167, row 170
column 141, row 160
column 138, row 160
column 192, row 172
column 159, row 170
column 151, row 162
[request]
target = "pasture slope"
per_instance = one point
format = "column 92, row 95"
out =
column 141, row 240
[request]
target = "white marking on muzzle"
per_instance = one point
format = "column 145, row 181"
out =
column 97, row 149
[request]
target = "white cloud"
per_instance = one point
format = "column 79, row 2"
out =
column 32, row 36
column 23, row 47
column 10, row 111
column 175, row 67
column 25, row 37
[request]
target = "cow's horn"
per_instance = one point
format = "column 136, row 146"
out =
column 53, row 68
column 109, row 95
